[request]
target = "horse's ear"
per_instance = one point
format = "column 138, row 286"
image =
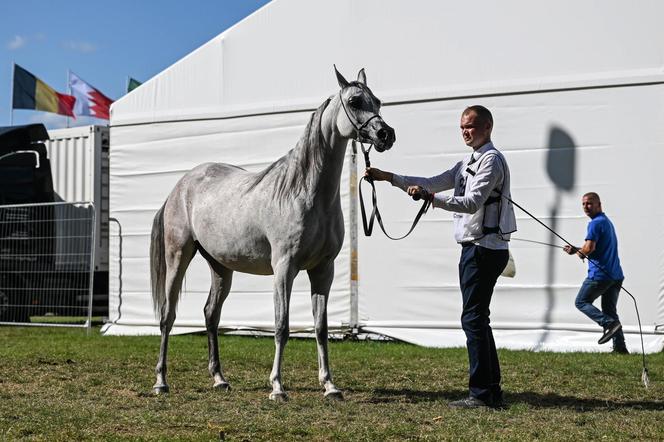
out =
column 340, row 78
column 362, row 77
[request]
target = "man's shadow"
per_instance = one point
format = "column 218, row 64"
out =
column 535, row 400
column 560, row 166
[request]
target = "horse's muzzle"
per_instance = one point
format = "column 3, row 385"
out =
column 384, row 138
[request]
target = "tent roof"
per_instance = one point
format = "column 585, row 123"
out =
column 406, row 49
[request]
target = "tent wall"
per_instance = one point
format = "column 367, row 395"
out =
column 570, row 90
column 559, row 145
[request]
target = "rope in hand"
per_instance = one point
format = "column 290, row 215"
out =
column 375, row 213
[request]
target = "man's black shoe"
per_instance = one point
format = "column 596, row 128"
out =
column 620, row 350
column 500, row 404
column 497, row 400
column 469, row 402
column 609, row 331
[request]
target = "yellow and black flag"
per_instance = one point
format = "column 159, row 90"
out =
column 32, row 93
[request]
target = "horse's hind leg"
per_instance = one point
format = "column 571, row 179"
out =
column 222, row 278
column 178, row 258
column 321, row 280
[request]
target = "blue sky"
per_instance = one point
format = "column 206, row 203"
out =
column 103, row 43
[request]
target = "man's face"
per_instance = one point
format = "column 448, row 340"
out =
column 475, row 133
column 591, row 206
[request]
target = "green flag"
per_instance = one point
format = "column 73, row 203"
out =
column 132, row 84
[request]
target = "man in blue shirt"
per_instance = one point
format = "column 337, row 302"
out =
column 605, row 275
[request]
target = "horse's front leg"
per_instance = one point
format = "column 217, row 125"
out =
column 284, row 274
column 321, row 280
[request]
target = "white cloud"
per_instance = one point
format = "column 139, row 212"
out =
column 80, row 46
column 17, row 43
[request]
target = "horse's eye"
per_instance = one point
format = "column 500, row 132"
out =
column 355, row 102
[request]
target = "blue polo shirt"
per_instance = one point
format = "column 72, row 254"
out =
column 600, row 230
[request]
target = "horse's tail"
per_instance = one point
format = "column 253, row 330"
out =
column 158, row 263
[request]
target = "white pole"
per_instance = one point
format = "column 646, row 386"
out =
column 91, row 276
column 68, row 92
column 354, row 314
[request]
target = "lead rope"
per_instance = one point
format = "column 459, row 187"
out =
column 375, row 213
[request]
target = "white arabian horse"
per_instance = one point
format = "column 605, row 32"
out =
column 279, row 221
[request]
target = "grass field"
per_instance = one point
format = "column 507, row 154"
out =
column 59, row 384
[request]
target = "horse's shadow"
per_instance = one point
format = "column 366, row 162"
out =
column 533, row 399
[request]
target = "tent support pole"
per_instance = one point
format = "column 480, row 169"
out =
column 353, row 325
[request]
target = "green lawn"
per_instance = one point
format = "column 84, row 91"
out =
column 59, row 384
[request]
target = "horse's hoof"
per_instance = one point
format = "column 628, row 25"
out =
column 335, row 395
column 160, row 389
column 223, row 386
column 279, row 397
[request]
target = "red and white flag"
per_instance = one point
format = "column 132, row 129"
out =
column 89, row 101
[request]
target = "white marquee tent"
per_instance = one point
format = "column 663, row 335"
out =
column 577, row 92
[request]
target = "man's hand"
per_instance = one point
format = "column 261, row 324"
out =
column 377, row 174
column 570, row 250
column 419, row 193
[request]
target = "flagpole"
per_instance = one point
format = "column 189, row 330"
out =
column 68, row 90
column 11, row 106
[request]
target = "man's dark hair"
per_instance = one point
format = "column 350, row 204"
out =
column 482, row 113
column 592, row 195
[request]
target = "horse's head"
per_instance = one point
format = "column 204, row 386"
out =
column 360, row 117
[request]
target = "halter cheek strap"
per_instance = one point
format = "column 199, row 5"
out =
column 359, row 128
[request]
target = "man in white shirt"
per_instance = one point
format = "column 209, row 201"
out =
column 483, row 221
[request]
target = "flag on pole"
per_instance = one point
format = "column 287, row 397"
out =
column 32, row 93
column 132, row 84
column 89, row 101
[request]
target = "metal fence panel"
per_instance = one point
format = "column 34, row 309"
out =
column 47, row 263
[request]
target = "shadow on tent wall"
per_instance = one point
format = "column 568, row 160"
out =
column 560, row 166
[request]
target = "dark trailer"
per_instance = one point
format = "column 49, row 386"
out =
column 32, row 280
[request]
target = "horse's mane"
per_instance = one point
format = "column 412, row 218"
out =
column 295, row 171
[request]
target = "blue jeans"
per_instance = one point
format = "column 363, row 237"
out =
column 609, row 290
column 479, row 269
